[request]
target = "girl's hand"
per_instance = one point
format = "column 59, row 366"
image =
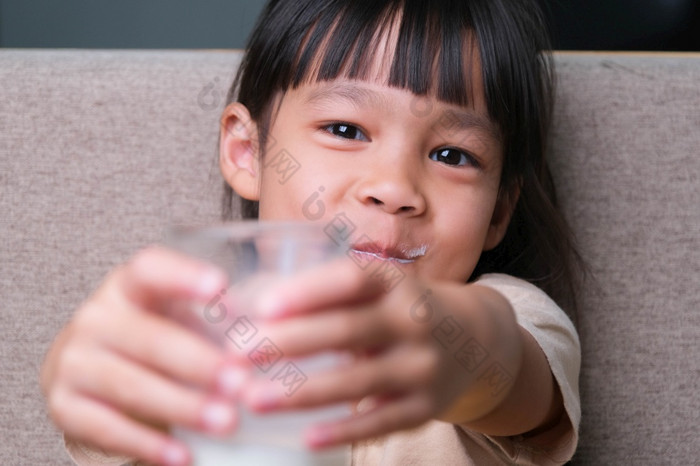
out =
column 120, row 367
column 406, row 371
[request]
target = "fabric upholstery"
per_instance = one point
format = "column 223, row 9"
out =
column 101, row 150
column 627, row 165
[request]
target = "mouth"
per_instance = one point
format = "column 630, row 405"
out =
column 400, row 254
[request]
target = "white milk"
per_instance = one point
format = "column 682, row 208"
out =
column 272, row 439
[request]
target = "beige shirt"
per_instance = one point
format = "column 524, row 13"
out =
column 438, row 443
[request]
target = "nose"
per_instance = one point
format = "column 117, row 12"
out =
column 392, row 189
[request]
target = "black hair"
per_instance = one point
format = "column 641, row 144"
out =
column 298, row 41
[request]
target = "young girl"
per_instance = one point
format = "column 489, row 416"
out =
column 421, row 126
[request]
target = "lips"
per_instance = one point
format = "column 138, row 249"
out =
column 402, row 254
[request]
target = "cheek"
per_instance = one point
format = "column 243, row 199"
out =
column 463, row 232
column 296, row 197
column 275, row 203
column 314, row 191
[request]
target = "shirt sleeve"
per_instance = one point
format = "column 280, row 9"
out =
column 554, row 332
column 84, row 455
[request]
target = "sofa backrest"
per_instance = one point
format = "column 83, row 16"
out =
column 627, row 164
column 101, row 150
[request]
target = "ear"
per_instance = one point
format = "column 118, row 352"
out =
column 502, row 213
column 239, row 151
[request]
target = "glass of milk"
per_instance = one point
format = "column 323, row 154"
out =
column 255, row 255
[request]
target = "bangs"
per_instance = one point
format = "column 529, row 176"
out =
column 425, row 50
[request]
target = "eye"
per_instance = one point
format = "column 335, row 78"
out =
column 452, row 156
column 346, row 131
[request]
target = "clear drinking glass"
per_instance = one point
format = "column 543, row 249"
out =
column 254, row 255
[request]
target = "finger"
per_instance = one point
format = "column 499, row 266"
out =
column 93, row 422
column 151, row 396
column 156, row 276
column 404, row 369
column 364, row 326
column 161, row 344
column 337, row 329
column 385, row 417
column 336, row 283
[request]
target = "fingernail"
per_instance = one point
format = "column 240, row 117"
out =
column 270, row 305
column 231, row 380
column 209, row 283
column 217, row 416
column 264, row 398
column 366, row 404
column 174, row 455
column 318, row 437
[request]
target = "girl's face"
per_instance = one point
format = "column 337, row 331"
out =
column 411, row 181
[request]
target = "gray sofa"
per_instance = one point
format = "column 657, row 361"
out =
column 101, row 150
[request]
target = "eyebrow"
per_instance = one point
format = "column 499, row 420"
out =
column 356, row 95
column 463, row 120
column 452, row 119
